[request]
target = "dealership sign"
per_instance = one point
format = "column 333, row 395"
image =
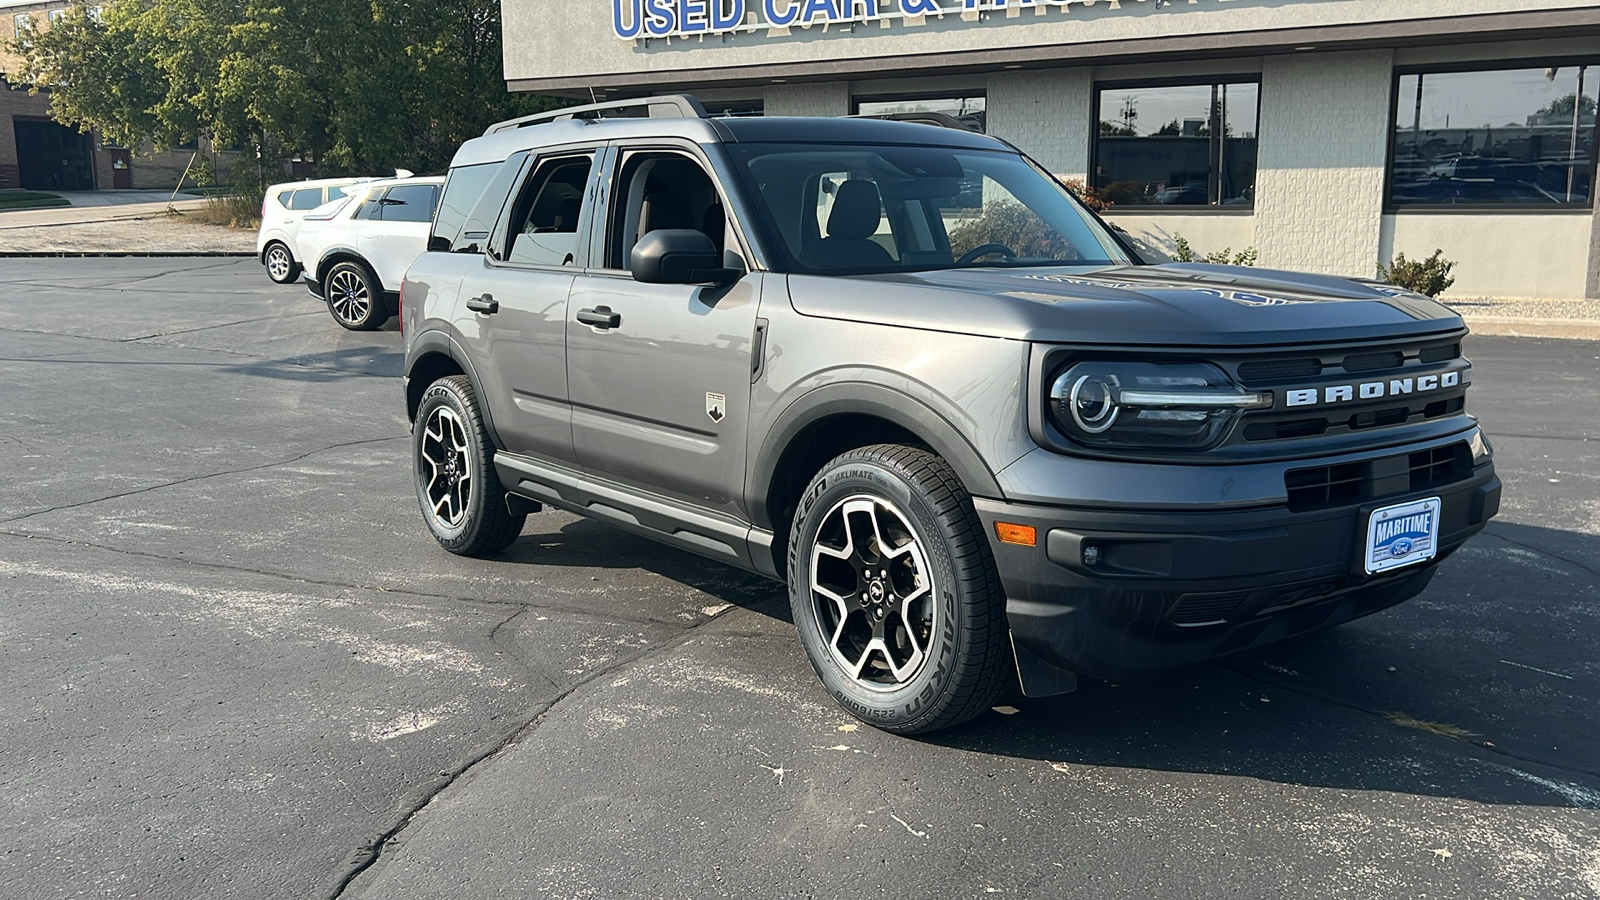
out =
column 632, row 19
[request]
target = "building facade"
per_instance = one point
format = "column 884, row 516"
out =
column 1329, row 135
column 38, row 153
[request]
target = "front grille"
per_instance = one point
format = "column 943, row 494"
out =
column 1195, row 610
column 1373, row 362
column 1323, row 487
column 1276, row 369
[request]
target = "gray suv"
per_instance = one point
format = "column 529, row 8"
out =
column 900, row 368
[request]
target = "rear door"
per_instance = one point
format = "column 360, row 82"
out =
column 518, row 294
column 660, row 397
column 397, row 231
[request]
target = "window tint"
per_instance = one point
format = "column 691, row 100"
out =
column 305, row 198
column 543, row 227
column 1181, row 145
column 282, row 198
column 335, row 193
column 1504, row 137
column 972, row 112
column 847, row 209
column 461, row 194
column 662, row 190
column 408, row 203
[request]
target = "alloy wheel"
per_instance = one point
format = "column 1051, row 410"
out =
column 447, row 457
column 278, row 263
column 873, row 592
column 348, row 296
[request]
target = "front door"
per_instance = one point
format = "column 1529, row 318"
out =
column 522, row 289
column 121, row 168
column 661, row 387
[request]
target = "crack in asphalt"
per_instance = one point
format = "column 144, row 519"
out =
column 1585, row 567
column 284, row 363
column 576, row 612
column 194, row 478
column 373, row 851
column 1343, row 703
column 1541, row 437
column 160, row 334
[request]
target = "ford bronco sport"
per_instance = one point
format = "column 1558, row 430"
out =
column 902, row 369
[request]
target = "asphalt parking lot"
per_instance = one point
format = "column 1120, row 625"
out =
column 236, row 665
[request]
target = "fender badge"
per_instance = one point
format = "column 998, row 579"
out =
column 716, row 407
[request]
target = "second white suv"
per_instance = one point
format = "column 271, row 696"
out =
column 356, row 254
column 283, row 211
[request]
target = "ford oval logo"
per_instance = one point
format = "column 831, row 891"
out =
column 1402, row 547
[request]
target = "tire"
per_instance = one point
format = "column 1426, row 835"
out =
column 280, row 263
column 355, row 298
column 458, row 489
column 922, row 645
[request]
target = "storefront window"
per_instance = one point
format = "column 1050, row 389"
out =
column 1177, row 145
column 1504, row 137
column 969, row 111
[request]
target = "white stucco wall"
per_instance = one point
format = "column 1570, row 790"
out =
column 1047, row 114
column 1544, row 255
column 830, row 98
column 1324, row 140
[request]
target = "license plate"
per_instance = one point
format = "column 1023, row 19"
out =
column 1402, row 535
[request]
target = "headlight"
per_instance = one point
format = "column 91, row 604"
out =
column 1148, row 406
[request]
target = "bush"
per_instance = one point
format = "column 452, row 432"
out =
column 230, row 210
column 1016, row 226
column 1429, row 277
column 1182, row 252
column 1090, row 197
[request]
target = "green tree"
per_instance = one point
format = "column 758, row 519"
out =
column 1562, row 106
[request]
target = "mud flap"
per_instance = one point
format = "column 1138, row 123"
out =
column 1040, row 678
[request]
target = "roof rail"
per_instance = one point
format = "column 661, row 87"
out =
column 671, row 106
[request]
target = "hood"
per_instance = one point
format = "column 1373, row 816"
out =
column 1180, row 304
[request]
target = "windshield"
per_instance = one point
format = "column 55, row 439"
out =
column 847, row 209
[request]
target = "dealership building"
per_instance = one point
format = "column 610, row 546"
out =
column 1326, row 134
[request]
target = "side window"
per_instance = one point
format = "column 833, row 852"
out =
column 660, row 190
column 408, row 203
column 544, row 222
column 370, row 206
column 462, row 191
column 305, row 198
column 335, row 193
column 282, row 198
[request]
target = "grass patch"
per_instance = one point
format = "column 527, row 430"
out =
column 228, row 211
column 30, row 200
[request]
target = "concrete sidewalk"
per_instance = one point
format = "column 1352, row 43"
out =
column 1529, row 317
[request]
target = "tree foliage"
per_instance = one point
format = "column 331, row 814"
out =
column 361, row 86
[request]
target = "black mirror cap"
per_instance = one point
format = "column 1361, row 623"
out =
column 679, row 256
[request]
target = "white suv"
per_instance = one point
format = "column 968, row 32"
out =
column 282, row 213
column 356, row 253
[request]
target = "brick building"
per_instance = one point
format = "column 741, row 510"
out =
column 39, row 153
column 1328, row 134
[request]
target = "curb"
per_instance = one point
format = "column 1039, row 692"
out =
column 91, row 254
column 1519, row 326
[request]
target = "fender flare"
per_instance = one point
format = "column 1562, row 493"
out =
column 439, row 342
column 863, row 398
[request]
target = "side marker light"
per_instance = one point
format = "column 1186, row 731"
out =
column 1023, row 535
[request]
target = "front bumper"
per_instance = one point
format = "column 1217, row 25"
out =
column 1172, row 588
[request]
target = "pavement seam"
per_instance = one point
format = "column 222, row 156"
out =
column 135, row 340
column 375, row 850
column 1493, row 532
column 194, row 478
column 1380, row 714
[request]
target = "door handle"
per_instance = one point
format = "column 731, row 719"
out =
column 486, row 304
column 600, row 317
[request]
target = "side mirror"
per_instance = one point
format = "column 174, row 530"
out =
column 679, row 256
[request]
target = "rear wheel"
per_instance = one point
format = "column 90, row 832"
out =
column 894, row 591
column 281, row 267
column 355, row 298
column 458, row 489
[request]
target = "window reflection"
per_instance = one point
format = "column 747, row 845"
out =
column 1181, row 145
column 969, row 111
column 1504, row 137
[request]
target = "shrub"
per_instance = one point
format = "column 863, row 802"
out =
column 1182, row 252
column 230, row 210
column 1016, row 226
column 1090, row 197
column 1429, row 277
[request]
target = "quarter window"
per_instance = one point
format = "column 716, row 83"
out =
column 408, row 203
column 1522, row 137
column 544, row 222
column 306, row 198
column 1177, row 145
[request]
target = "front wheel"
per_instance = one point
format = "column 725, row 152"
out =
column 281, row 267
column 894, row 591
column 355, row 298
column 458, row 489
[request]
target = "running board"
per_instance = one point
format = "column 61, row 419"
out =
column 719, row 537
